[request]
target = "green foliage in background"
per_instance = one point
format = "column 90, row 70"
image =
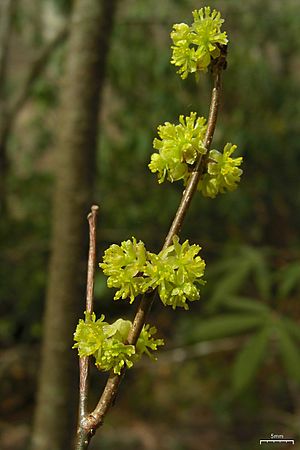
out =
column 261, row 114
column 264, row 327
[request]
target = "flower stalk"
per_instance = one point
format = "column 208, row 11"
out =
column 175, row 273
column 95, row 419
column 82, row 441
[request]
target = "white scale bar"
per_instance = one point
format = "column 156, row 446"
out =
column 277, row 441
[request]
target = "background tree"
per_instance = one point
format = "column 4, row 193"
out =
column 7, row 9
column 90, row 29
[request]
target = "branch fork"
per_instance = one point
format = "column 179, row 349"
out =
column 88, row 423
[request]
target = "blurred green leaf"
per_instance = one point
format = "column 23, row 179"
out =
column 249, row 359
column 289, row 351
column 292, row 327
column 230, row 283
column 261, row 271
column 242, row 303
column 289, row 279
column 232, row 274
column 224, row 325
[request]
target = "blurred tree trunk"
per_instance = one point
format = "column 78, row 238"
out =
column 90, row 32
column 7, row 8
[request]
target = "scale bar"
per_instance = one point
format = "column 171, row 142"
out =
column 277, row 441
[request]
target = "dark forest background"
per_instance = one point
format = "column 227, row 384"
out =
column 229, row 374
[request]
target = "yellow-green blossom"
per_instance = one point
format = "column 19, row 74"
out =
column 123, row 265
column 223, row 172
column 178, row 147
column 177, row 271
column 107, row 343
column 197, row 45
column 146, row 341
column 89, row 334
column 114, row 354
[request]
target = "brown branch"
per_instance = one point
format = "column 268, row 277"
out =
column 95, row 419
column 187, row 197
column 194, row 180
column 92, row 219
column 84, row 361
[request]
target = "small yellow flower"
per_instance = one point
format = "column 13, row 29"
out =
column 197, row 45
